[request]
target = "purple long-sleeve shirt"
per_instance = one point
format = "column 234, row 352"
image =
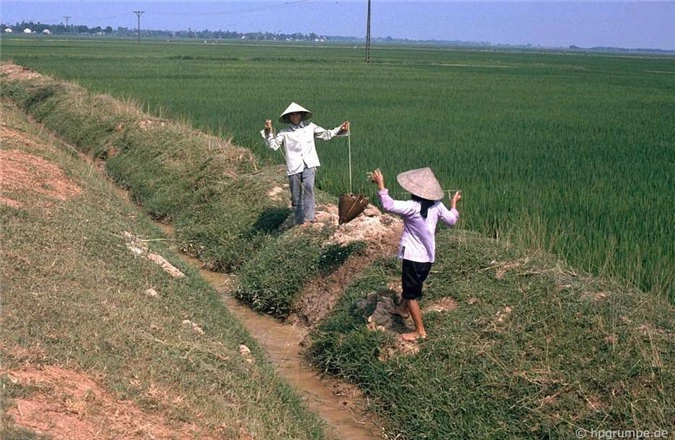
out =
column 418, row 241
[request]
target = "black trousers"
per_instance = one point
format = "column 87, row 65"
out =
column 413, row 275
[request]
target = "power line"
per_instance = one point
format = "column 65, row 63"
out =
column 235, row 11
column 187, row 13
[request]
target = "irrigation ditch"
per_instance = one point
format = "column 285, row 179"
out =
column 338, row 403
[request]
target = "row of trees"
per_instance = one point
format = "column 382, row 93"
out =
column 56, row 28
column 149, row 33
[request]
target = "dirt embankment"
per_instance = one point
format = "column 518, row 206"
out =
column 72, row 406
column 65, row 403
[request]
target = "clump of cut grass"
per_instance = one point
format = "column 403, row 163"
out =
column 271, row 279
column 229, row 223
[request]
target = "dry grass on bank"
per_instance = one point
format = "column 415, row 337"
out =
column 100, row 342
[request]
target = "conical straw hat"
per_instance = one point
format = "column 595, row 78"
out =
column 422, row 183
column 294, row 108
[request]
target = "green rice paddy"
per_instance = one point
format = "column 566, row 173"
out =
column 570, row 152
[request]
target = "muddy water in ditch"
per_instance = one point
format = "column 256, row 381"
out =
column 339, row 404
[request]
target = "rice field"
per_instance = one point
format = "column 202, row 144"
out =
column 569, row 152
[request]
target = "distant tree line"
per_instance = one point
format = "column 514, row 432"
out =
column 61, row 29
column 38, row 28
column 125, row 32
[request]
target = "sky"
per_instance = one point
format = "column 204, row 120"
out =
column 647, row 24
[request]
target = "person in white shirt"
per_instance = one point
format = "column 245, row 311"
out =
column 300, row 153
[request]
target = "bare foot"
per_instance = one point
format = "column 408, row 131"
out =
column 402, row 313
column 412, row 337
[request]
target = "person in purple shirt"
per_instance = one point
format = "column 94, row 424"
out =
column 417, row 248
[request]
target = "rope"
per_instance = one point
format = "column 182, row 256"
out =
column 349, row 147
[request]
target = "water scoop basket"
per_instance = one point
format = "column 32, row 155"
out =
column 350, row 205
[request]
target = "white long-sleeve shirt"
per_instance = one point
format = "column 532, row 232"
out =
column 298, row 142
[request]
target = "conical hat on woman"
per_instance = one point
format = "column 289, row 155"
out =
column 294, row 108
column 422, row 183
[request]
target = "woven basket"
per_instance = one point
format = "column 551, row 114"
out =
column 350, row 206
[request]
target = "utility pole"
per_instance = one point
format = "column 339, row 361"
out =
column 138, row 14
column 368, row 36
column 67, row 17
